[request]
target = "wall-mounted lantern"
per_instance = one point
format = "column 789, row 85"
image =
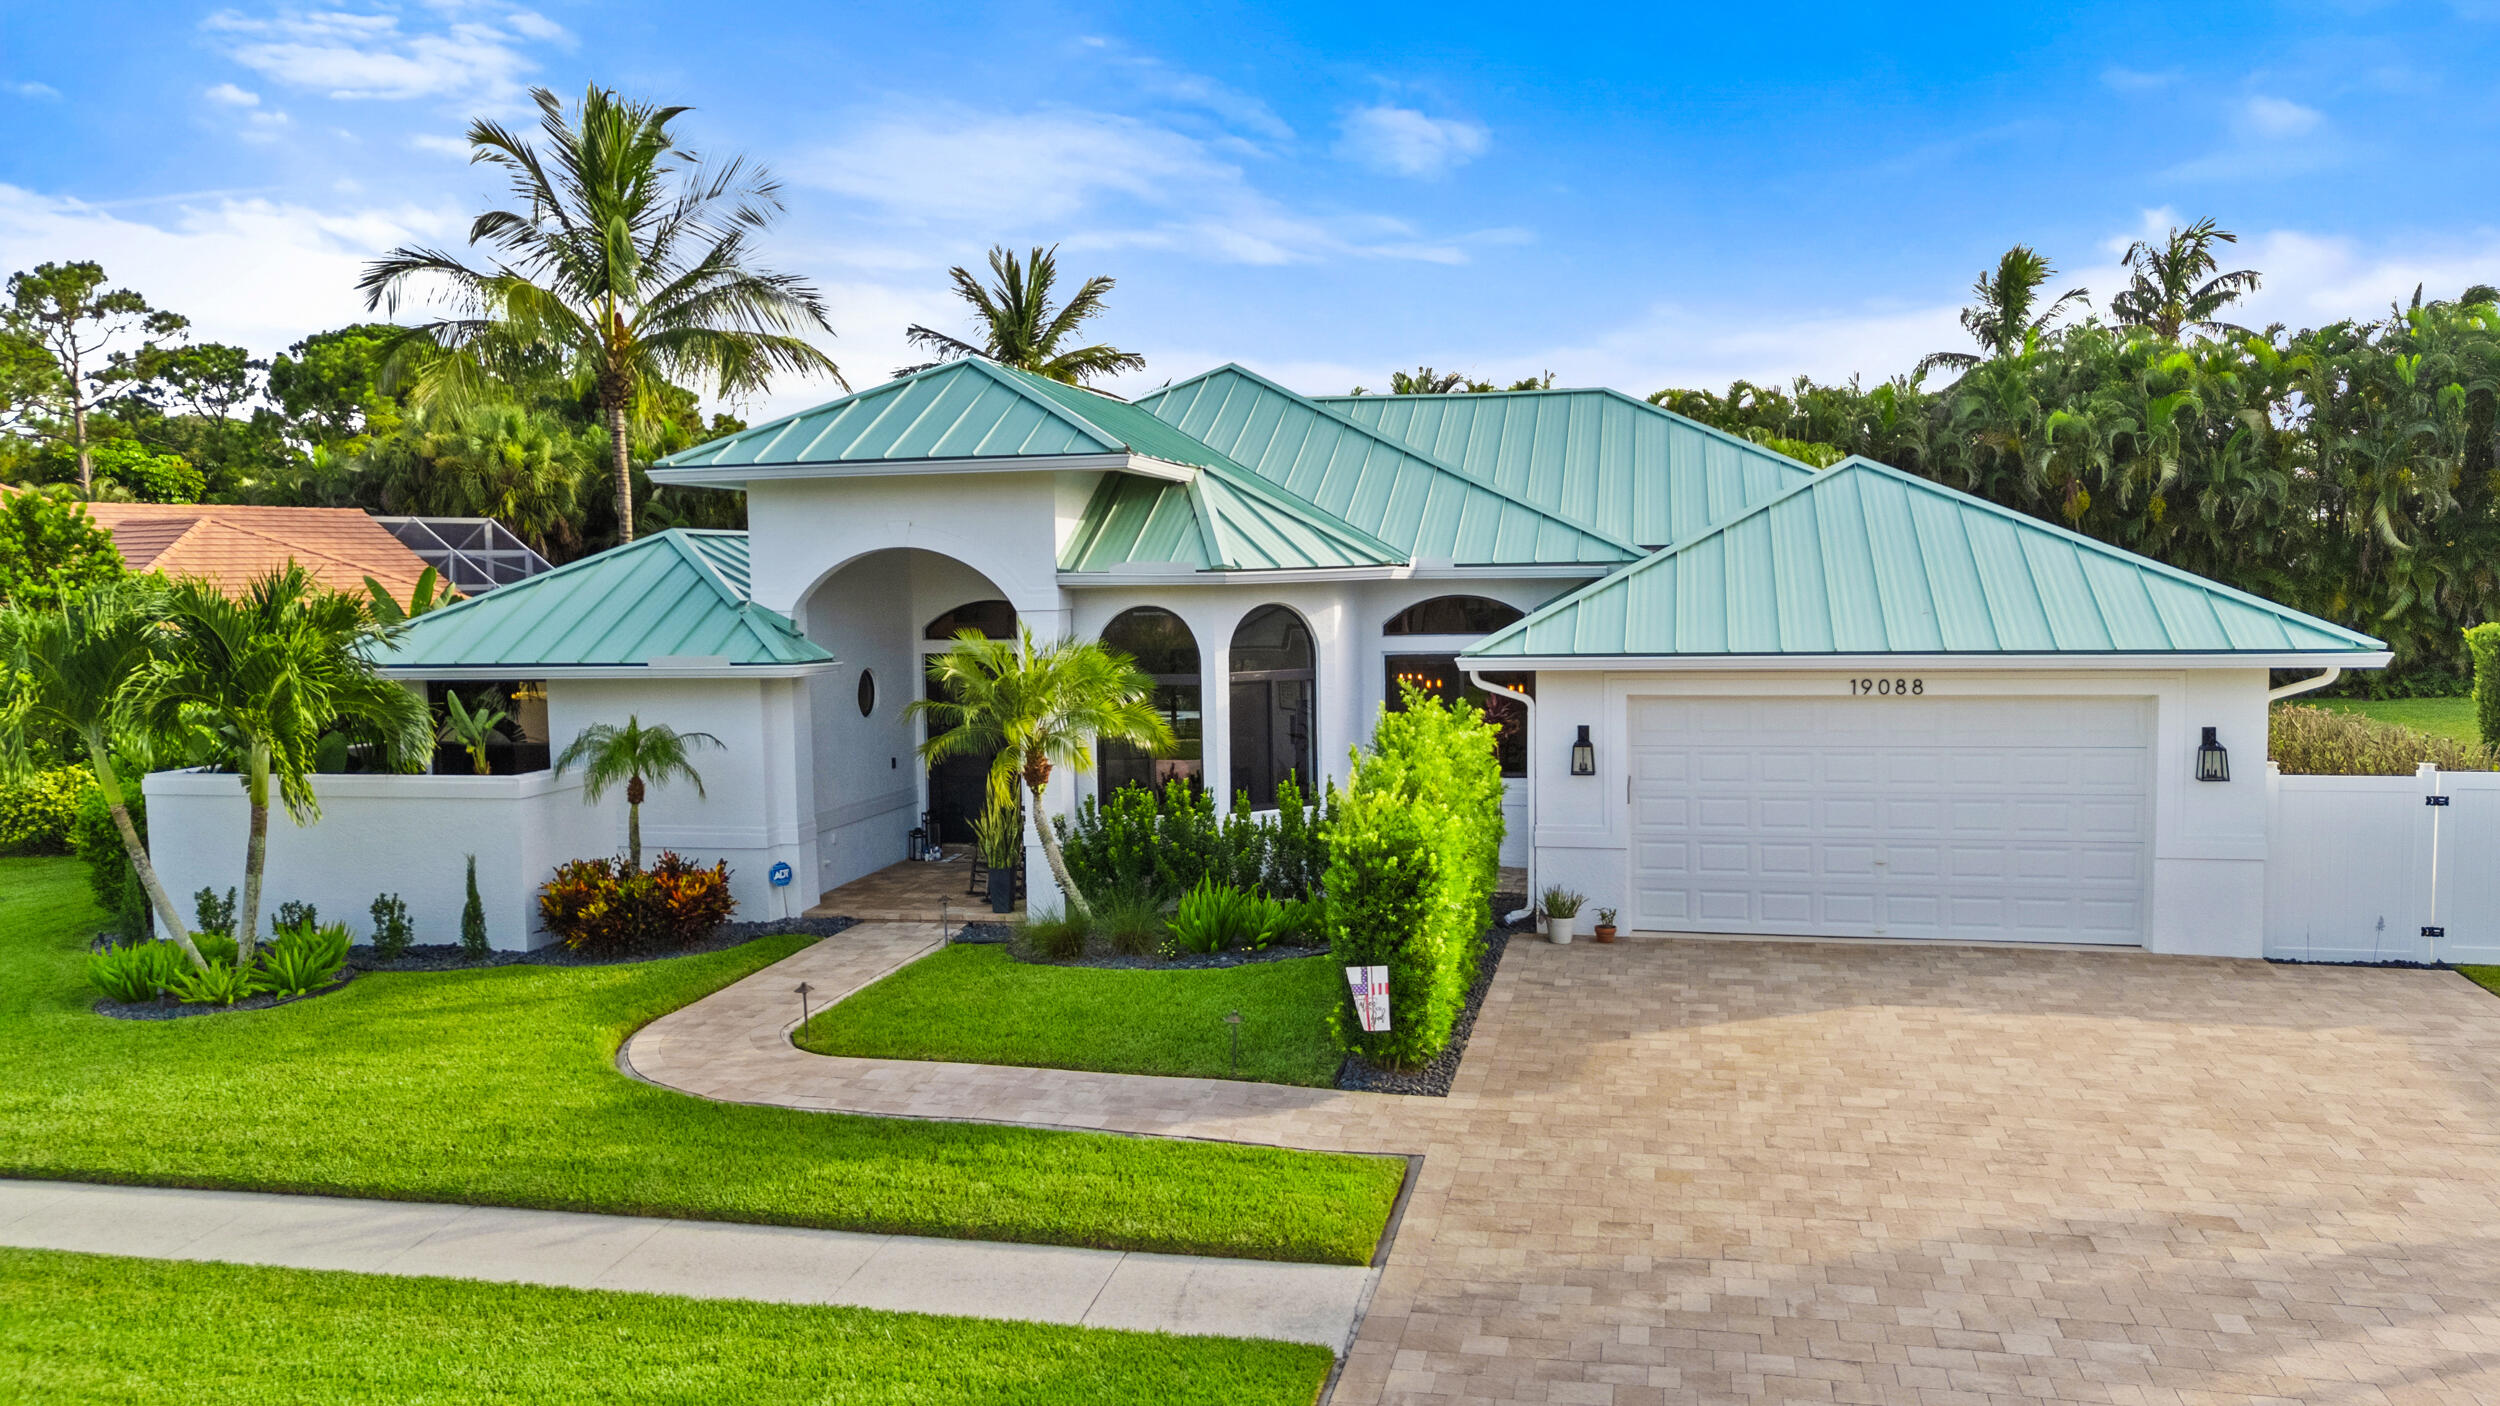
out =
column 2212, row 762
column 1584, row 754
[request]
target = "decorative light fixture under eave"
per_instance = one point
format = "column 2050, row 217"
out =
column 2213, row 763
column 1584, row 754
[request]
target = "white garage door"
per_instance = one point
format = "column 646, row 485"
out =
column 2023, row 819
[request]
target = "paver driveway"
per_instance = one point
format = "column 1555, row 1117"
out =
column 1716, row 1171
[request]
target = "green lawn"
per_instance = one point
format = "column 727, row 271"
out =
column 977, row 1005
column 99, row 1328
column 499, row 1087
column 2487, row 978
column 2443, row 717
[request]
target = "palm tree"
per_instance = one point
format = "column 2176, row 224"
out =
column 1036, row 707
column 2001, row 320
column 2172, row 293
column 624, row 265
column 78, row 661
column 273, row 671
column 522, row 468
column 1018, row 327
column 635, row 755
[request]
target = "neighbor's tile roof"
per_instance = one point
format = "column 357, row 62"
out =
column 674, row 594
column 231, row 544
column 1865, row 559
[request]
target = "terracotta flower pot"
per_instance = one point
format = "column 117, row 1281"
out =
column 1605, row 932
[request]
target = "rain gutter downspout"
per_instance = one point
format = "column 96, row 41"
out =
column 2309, row 685
column 1527, row 721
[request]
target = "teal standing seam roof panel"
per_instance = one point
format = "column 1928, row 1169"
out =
column 1372, row 481
column 673, row 593
column 1598, row 457
column 1226, row 519
column 1865, row 559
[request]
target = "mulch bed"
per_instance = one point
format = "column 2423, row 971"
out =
column 167, row 1008
column 447, row 956
column 1434, row 1079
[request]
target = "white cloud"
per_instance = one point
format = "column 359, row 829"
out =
column 2266, row 137
column 31, row 89
column 1402, row 141
column 440, row 146
column 351, row 56
column 228, row 95
column 2278, row 117
column 1156, row 78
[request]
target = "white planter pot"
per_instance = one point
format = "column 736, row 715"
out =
column 1557, row 930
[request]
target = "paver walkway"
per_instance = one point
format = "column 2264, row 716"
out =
column 1719, row 1171
column 700, row 1259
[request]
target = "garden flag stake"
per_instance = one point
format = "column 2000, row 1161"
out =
column 1371, row 997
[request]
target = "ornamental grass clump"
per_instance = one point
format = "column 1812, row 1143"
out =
column 1414, row 852
column 2305, row 741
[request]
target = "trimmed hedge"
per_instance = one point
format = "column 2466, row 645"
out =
column 38, row 809
column 2305, row 741
column 1141, row 845
column 1414, row 852
column 2483, row 643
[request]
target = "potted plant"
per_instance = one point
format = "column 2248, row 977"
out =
column 1558, row 912
column 1605, row 924
column 1000, row 834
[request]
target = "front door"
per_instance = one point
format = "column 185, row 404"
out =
column 958, row 792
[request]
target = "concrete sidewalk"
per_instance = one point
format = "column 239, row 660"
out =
column 700, row 1259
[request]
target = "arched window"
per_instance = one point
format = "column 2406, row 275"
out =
column 995, row 619
column 1166, row 652
column 1271, row 703
column 1452, row 615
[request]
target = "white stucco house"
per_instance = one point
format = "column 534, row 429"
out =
column 1738, row 695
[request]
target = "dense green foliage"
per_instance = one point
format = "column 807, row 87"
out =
column 609, row 907
column 2483, row 643
column 978, row 1005
column 110, row 875
column 39, row 809
column 1216, row 917
column 1160, row 846
column 1414, row 852
column 87, row 1328
column 1017, row 325
column 498, row 1086
column 49, row 547
column 2309, row 741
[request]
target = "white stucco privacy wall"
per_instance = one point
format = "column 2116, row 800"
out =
column 409, row 835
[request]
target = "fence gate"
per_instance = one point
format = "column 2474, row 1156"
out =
column 2384, row 868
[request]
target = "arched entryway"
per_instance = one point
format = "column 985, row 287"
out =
column 1164, row 649
column 959, row 785
column 1273, row 690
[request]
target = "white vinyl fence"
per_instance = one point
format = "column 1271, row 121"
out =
column 2384, row 868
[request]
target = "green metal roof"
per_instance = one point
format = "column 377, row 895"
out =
column 968, row 409
column 1865, row 559
column 676, row 595
column 1413, row 502
column 1223, row 520
column 1594, row 456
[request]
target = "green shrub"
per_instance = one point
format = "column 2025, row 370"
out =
column 1414, row 850
column 2305, row 741
column 137, row 971
column 392, row 932
column 302, row 958
column 38, row 809
column 216, row 947
column 1297, row 854
column 1166, row 844
column 1053, row 934
column 210, row 913
column 609, row 907
column 2483, row 643
column 473, row 919
column 1217, row 917
column 1131, row 922
column 292, row 914
column 1303, row 922
column 218, row 984
column 114, row 880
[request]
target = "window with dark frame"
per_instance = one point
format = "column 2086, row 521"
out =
column 1439, row 676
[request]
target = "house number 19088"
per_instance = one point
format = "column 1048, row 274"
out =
column 1887, row 688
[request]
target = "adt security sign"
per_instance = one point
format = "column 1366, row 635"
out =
column 1371, row 996
column 780, row 875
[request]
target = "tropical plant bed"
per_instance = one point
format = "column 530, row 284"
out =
column 167, row 1008
column 450, row 956
column 89, row 1328
column 498, row 1086
column 1434, row 1079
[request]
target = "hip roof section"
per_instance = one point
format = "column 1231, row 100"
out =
column 1222, row 520
column 1866, row 559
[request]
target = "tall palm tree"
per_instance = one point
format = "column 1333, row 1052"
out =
column 2001, row 317
column 273, row 671
column 635, row 755
column 624, row 265
column 78, row 661
column 1038, row 707
column 1019, row 328
column 2175, row 288
column 522, row 468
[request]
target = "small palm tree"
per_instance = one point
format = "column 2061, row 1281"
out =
column 79, row 661
column 273, row 672
column 1037, row 707
column 1018, row 326
column 625, row 263
column 2001, row 319
column 635, row 755
column 2175, row 288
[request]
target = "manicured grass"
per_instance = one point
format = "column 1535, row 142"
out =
column 2441, row 717
column 977, row 1005
column 499, row 1087
column 98, row 1328
column 2487, row 978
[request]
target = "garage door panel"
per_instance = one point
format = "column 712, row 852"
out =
column 1971, row 818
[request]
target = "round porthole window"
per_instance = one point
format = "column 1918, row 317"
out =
column 867, row 693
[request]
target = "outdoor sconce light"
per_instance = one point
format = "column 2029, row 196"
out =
column 2212, row 762
column 1584, row 754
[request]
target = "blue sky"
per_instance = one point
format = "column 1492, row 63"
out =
column 1639, row 198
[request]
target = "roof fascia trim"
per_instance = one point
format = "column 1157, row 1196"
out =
column 1741, row 663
